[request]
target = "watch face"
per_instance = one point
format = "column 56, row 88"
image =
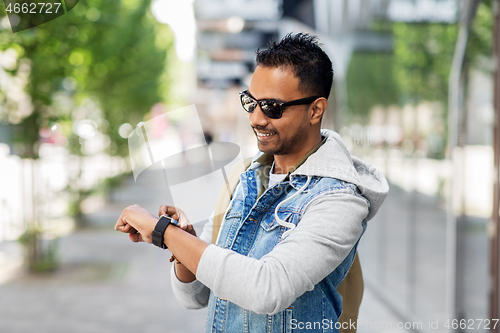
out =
column 171, row 220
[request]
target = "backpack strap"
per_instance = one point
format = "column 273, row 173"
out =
column 226, row 193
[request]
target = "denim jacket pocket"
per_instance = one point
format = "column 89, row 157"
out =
column 270, row 223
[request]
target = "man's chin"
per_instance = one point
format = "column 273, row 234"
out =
column 268, row 149
column 265, row 147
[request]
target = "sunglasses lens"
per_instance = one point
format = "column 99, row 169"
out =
column 271, row 109
column 248, row 103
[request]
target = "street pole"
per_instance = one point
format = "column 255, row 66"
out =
column 495, row 230
column 454, row 224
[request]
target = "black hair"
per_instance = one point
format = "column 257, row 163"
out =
column 308, row 62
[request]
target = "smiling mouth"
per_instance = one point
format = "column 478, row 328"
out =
column 261, row 135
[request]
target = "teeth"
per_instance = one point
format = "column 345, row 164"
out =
column 264, row 134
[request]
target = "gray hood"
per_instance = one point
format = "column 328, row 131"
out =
column 333, row 160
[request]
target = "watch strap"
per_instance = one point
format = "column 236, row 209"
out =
column 159, row 231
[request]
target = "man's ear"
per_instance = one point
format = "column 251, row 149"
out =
column 318, row 107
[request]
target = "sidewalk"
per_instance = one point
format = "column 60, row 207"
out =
column 108, row 284
column 105, row 283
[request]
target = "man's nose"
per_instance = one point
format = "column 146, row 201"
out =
column 258, row 118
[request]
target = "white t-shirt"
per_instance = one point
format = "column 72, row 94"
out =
column 274, row 177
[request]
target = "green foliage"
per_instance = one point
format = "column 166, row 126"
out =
column 42, row 253
column 105, row 51
column 420, row 66
column 112, row 183
column 417, row 70
column 128, row 61
column 480, row 44
column 423, row 56
column 104, row 61
column 370, row 81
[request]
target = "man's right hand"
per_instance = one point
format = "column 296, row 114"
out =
column 178, row 215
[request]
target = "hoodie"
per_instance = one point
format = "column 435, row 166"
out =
column 327, row 231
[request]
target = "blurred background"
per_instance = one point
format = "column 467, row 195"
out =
column 414, row 94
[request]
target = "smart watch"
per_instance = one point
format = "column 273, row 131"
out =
column 159, row 232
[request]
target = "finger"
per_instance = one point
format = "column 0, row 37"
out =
column 135, row 237
column 120, row 223
column 172, row 212
column 183, row 225
column 122, row 226
column 128, row 228
column 163, row 210
column 191, row 230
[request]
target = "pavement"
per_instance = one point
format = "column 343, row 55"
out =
column 403, row 255
column 107, row 284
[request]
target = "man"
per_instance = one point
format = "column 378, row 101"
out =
column 290, row 233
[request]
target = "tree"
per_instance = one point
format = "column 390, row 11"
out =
column 103, row 61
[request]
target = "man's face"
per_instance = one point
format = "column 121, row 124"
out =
column 281, row 136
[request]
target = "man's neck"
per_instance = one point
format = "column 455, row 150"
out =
column 284, row 163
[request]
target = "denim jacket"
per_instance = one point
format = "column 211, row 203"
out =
column 280, row 256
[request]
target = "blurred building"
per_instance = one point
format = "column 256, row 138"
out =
column 229, row 33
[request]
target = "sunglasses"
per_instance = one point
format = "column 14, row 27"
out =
column 271, row 108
